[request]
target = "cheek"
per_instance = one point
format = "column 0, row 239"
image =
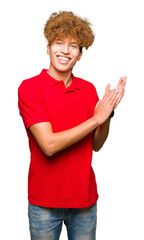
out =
column 55, row 49
column 77, row 58
column 53, row 53
column 77, row 55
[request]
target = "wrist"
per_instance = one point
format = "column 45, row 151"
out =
column 95, row 120
column 112, row 114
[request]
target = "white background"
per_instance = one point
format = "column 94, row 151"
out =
column 118, row 50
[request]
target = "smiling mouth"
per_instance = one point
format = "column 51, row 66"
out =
column 63, row 59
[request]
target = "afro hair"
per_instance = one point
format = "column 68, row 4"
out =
column 67, row 24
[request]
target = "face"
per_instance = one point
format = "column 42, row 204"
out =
column 63, row 54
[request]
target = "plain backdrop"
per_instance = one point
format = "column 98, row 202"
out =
column 118, row 50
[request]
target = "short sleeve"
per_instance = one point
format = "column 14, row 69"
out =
column 30, row 104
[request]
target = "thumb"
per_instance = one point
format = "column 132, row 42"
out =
column 97, row 103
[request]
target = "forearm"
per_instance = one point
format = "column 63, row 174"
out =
column 64, row 139
column 51, row 143
column 101, row 135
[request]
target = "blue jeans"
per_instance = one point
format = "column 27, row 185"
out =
column 46, row 223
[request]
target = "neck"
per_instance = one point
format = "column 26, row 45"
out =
column 65, row 76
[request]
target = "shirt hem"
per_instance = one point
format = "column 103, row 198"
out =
column 63, row 205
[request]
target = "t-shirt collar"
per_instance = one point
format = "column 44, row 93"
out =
column 74, row 85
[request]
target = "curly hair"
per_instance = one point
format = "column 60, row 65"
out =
column 66, row 24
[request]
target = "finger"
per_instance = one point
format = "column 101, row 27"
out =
column 120, row 83
column 114, row 97
column 119, row 98
column 110, row 97
column 97, row 103
column 107, row 88
column 121, row 92
column 124, row 81
column 117, row 102
column 111, row 93
column 122, row 87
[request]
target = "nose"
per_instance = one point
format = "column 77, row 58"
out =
column 65, row 49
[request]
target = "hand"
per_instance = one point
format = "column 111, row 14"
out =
column 120, row 87
column 110, row 101
column 105, row 106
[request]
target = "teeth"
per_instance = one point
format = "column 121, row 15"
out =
column 63, row 58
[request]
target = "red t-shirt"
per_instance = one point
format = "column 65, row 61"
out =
column 66, row 179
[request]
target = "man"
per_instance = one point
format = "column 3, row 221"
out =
column 65, row 121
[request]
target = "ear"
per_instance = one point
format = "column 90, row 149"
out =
column 48, row 49
column 79, row 57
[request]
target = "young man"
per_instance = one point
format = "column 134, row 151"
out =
column 65, row 121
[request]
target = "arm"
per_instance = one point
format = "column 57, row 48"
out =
column 101, row 133
column 51, row 143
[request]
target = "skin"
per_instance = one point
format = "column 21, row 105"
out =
column 63, row 56
column 105, row 105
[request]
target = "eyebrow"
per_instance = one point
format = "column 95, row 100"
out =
column 61, row 40
column 74, row 43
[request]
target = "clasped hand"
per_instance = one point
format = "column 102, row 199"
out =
column 110, row 101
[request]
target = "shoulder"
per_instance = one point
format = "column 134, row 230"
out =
column 30, row 86
column 30, row 82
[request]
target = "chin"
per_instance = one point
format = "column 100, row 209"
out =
column 64, row 70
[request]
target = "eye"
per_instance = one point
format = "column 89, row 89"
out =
column 73, row 46
column 58, row 42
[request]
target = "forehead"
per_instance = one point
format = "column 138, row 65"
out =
column 68, row 40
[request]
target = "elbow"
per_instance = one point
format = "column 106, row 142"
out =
column 49, row 147
column 48, row 150
column 97, row 148
column 49, row 153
